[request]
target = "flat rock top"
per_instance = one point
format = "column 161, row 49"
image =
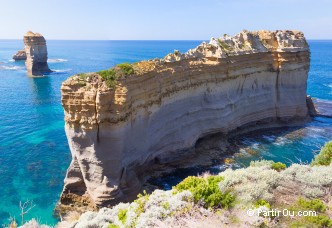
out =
column 31, row 34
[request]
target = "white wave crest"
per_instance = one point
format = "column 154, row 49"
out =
column 62, row 71
column 280, row 141
column 11, row 67
column 57, row 60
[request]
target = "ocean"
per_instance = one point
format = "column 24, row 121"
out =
column 34, row 152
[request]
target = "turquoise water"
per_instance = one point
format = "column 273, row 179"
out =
column 34, row 153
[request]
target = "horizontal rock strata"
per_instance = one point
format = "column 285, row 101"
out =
column 149, row 118
column 36, row 54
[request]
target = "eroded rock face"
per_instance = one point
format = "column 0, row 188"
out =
column 20, row 55
column 154, row 117
column 36, row 52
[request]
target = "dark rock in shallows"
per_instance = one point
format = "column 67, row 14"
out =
column 20, row 56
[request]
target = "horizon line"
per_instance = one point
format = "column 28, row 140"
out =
column 325, row 39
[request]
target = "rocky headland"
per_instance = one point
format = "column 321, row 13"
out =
column 20, row 56
column 126, row 122
column 36, row 54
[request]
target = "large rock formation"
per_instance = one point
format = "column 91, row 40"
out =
column 36, row 53
column 155, row 116
column 20, row 55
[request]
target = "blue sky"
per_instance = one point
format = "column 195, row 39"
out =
column 161, row 20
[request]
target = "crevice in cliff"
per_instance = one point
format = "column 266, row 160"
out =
column 277, row 85
column 96, row 114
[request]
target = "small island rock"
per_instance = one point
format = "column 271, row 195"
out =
column 20, row 55
column 36, row 52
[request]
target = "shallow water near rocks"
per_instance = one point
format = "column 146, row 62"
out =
column 34, row 153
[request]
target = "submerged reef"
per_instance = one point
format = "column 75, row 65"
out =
column 124, row 123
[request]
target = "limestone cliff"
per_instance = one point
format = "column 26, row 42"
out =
column 156, row 115
column 36, row 54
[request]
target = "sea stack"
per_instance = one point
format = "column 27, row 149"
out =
column 119, row 130
column 36, row 54
column 20, row 56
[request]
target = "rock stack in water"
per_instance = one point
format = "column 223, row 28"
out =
column 20, row 55
column 36, row 54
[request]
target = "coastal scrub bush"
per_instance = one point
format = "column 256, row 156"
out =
column 124, row 69
column 312, row 179
column 315, row 204
column 122, row 216
column 325, row 155
column 109, row 77
column 206, row 190
column 278, row 166
column 251, row 184
column 320, row 220
column 261, row 202
column 113, row 226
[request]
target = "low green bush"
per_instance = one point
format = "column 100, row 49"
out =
column 315, row 204
column 122, row 216
column 278, row 166
column 262, row 202
column 319, row 220
column 325, row 155
column 109, row 77
column 207, row 190
column 113, row 226
column 126, row 69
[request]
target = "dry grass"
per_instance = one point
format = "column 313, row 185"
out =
column 144, row 67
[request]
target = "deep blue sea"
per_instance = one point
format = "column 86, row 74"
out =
column 34, row 153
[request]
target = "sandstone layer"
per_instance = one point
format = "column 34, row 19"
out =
column 156, row 115
column 36, row 54
column 20, row 55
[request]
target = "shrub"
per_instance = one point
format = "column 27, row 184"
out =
column 113, row 226
column 261, row 163
column 250, row 184
column 325, row 155
column 122, row 216
column 315, row 204
column 262, row 202
column 320, row 220
column 109, row 77
column 125, row 69
column 206, row 189
column 278, row 166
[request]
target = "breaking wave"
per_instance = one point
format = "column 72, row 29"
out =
column 57, row 60
column 11, row 67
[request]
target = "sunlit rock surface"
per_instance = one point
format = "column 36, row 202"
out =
column 36, row 54
column 155, row 116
